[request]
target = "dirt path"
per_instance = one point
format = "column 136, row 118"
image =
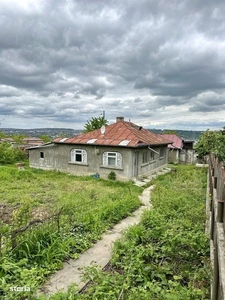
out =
column 99, row 254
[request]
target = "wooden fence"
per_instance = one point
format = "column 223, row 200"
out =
column 217, row 226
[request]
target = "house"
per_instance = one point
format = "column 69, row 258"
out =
column 26, row 142
column 180, row 151
column 32, row 141
column 8, row 140
column 123, row 147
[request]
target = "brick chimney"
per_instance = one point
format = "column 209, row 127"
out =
column 118, row 119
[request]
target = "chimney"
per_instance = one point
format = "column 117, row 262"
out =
column 118, row 119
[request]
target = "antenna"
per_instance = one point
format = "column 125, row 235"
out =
column 102, row 129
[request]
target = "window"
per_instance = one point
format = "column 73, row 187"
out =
column 112, row 159
column 42, row 154
column 144, row 157
column 152, row 155
column 161, row 152
column 78, row 156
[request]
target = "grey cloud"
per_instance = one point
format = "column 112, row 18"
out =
column 208, row 102
column 89, row 54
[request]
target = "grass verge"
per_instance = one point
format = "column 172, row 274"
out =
column 166, row 256
column 73, row 213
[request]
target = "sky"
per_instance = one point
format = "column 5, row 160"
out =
column 159, row 64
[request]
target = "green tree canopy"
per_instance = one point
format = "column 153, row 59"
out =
column 211, row 142
column 45, row 138
column 95, row 123
column 2, row 135
column 18, row 138
column 9, row 155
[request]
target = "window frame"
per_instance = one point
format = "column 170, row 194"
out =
column 145, row 157
column 112, row 155
column 82, row 153
column 152, row 156
column 161, row 152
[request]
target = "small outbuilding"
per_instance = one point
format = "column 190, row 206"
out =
column 180, row 150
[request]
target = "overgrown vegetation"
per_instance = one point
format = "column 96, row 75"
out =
column 65, row 214
column 9, row 155
column 211, row 142
column 166, row 256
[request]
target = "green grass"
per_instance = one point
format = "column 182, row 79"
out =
column 87, row 207
column 166, row 256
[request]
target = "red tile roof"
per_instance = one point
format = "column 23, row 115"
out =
column 177, row 141
column 118, row 134
column 7, row 139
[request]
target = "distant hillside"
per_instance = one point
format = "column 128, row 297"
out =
column 67, row 132
column 35, row 132
column 184, row 134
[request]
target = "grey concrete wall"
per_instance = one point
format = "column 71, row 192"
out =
column 57, row 157
column 173, row 155
column 188, row 156
column 150, row 167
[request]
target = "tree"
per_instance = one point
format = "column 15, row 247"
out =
column 95, row 123
column 2, row 135
column 9, row 155
column 211, row 142
column 18, row 138
column 45, row 138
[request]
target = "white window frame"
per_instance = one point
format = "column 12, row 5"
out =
column 112, row 155
column 75, row 152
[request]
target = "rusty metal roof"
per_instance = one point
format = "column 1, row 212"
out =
column 177, row 141
column 124, row 134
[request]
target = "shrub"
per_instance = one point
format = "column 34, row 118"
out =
column 112, row 175
column 9, row 155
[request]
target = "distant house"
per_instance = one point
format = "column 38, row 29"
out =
column 32, row 141
column 123, row 147
column 180, row 151
column 25, row 143
column 8, row 140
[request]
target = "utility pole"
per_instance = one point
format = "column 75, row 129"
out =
column 103, row 114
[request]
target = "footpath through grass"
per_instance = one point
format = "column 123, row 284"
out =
column 167, row 255
column 71, row 213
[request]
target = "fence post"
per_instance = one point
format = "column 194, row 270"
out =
column 220, row 203
column 212, row 226
column 215, row 283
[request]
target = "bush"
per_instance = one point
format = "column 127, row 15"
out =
column 10, row 155
column 112, row 175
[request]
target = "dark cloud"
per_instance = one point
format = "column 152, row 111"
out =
column 125, row 57
column 208, row 102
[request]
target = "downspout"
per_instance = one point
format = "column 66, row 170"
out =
column 153, row 150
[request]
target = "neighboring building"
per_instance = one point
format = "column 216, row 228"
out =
column 8, row 140
column 123, row 147
column 180, row 151
column 26, row 142
column 32, row 141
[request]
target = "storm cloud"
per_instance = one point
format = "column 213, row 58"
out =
column 158, row 63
